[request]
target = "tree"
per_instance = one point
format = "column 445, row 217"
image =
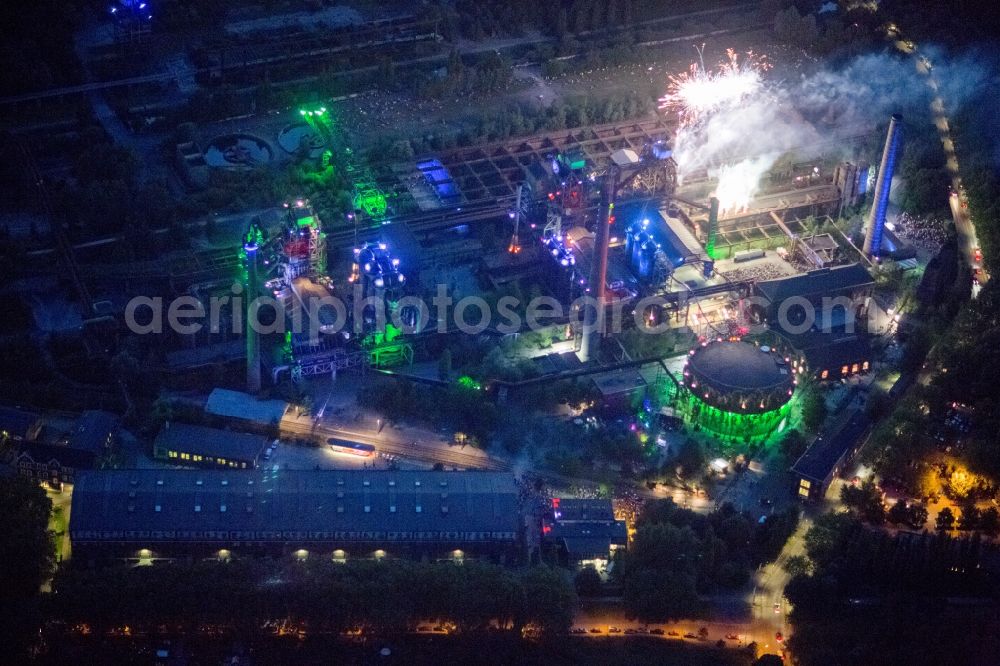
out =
column 899, row 513
column 444, row 365
column 588, row 582
column 689, row 463
column 551, row 599
column 660, row 571
column 27, row 553
column 658, row 596
column 866, row 499
column 945, row 519
column 562, row 23
column 989, row 521
column 970, row 518
column 797, row 565
column 814, row 408
column 961, row 483
column 769, row 660
column 918, row 516
column 793, row 445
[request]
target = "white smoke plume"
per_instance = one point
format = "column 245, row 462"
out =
column 810, row 115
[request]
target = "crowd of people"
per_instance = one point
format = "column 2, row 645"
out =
column 757, row 273
column 378, row 111
column 927, row 234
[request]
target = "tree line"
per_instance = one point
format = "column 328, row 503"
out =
column 28, row 553
column 249, row 597
column 866, row 596
column 490, row 18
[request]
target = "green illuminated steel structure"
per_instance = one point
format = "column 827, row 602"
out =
column 713, row 227
column 368, row 197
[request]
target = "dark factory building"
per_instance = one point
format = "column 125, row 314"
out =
column 148, row 515
column 817, row 287
column 199, row 446
column 584, row 531
column 57, row 462
column 833, row 356
column 18, row 426
column 827, row 457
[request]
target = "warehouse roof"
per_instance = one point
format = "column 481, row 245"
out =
column 572, row 509
column 824, row 454
column 209, row 441
column 833, row 351
column 272, row 504
column 234, row 404
column 818, row 282
column 591, row 541
column 16, row 423
column 92, row 431
column 586, row 527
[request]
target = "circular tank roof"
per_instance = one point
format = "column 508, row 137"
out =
column 738, row 376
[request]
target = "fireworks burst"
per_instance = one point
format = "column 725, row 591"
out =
column 700, row 91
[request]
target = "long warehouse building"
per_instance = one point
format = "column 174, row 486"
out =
column 148, row 515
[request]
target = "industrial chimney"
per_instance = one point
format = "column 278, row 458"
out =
column 876, row 220
column 251, row 244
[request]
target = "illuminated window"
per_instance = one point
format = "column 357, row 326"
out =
column 843, row 370
column 221, row 461
column 243, row 465
column 805, row 483
column 825, row 374
column 196, row 458
column 171, row 454
column 854, row 368
column 185, row 456
column 864, row 366
column 803, row 492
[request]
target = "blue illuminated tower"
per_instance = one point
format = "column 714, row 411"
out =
column 876, row 220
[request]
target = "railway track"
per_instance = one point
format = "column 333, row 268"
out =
column 389, row 443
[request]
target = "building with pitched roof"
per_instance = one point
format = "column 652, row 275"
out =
column 827, row 457
column 57, row 462
column 852, row 281
column 194, row 445
column 145, row 515
column 584, row 531
column 18, row 425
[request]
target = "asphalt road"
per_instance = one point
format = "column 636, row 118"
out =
column 407, row 442
column 967, row 239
